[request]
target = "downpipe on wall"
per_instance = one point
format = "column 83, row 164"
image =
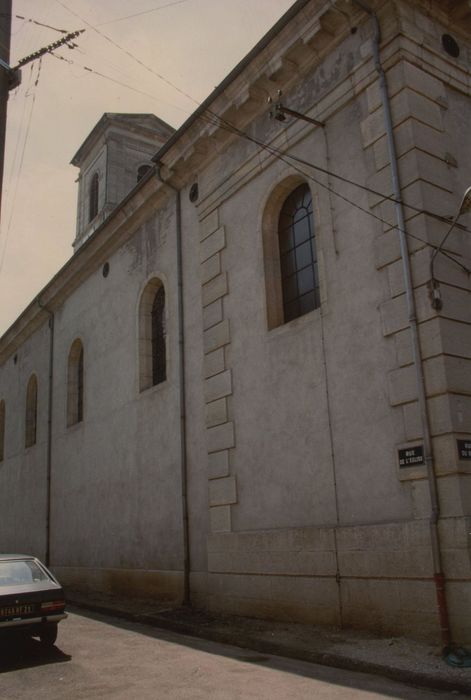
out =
column 49, row 432
column 181, row 353
column 439, row 577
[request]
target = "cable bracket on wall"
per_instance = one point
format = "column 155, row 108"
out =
column 279, row 112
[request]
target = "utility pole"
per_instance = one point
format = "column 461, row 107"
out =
column 5, row 77
column 10, row 77
column 67, row 39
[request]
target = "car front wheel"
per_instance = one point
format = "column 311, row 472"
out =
column 48, row 635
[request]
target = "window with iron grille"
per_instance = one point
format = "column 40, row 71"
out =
column 298, row 256
column 80, row 386
column 152, row 335
column 159, row 364
column 2, row 430
column 31, row 411
column 75, row 384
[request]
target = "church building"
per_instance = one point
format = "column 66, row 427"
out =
column 249, row 388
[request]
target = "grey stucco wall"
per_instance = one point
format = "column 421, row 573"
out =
column 319, row 376
column 297, row 506
column 125, row 454
column 23, row 470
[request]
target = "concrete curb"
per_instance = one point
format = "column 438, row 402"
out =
column 243, row 639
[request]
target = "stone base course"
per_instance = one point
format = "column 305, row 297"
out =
column 378, row 577
column 138, row 583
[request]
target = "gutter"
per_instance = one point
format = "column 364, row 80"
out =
column 439, row 577
column 181, row 358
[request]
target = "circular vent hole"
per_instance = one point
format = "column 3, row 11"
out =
column 450, row 45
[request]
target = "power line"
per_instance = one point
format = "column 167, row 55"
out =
column 20, row 128
column 370, row 190
column 145, row 12
column 128, row 53
column 283, row 156
column 117, row 82
column 41, row 24
column 28, row 126
column 215, row 119
column 243, row 134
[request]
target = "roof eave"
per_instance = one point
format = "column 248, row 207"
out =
column 235, row 72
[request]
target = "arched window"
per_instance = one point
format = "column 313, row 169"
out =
column 152, row 336
column 2, row 430
column 159, row 365
column 142, row 170
column 75, row 379
column 31, row 414
column 290, row 255
column 298, row 256
column 93, row 197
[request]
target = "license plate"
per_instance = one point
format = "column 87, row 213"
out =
column 16, row 610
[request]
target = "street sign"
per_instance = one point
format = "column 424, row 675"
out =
column 464, row 449
column 411, row 457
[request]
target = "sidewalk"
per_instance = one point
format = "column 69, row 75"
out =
column 397, row 658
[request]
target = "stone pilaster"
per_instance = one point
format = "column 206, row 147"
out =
column 419, row 104
column 429, row 163
column 220, row 434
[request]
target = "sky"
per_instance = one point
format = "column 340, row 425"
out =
column 192, row 44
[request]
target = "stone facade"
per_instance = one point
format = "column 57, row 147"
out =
column 262, row 475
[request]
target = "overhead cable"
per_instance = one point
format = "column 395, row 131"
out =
column 41, row 24
column 144, row 12
column 216, row 119
column 28, row 126
column 117, row 82
column 128, row 53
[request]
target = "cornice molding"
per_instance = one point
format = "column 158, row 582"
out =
column 297, row 49
column 315, row 31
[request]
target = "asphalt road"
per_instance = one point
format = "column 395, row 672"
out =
column 102, row 657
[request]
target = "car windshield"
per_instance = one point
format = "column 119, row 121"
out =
column 20, row 573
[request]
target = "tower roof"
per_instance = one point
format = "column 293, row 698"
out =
column 147, row 125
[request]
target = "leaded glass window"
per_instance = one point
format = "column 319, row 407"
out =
column 31, row 412
column 75, row 384
column 298, row 256
column 2, row 430
column 159, row 362
column 80, row 386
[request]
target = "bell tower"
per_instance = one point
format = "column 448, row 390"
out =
column 112, row 159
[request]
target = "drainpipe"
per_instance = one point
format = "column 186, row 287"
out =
column 49, row 433
column 439, row 577
column 181, row 353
